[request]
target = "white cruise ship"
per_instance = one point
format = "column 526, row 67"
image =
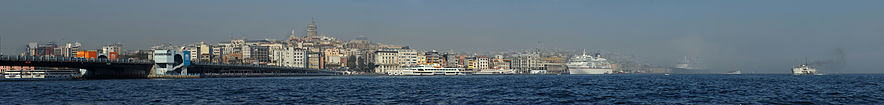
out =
column 428, row 70
column 586, row 64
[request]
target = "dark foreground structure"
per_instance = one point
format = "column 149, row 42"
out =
column 120, row 69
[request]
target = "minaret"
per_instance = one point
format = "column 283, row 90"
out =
column 293, row 37
column 311, row 28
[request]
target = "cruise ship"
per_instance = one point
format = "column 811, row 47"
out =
column 586, row 64
column 428, row 70
column 804, row 69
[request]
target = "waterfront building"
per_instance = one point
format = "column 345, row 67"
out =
column 217, row 54
column 523, row 63
column 407, row 57
column 111, row 48
column 451, row 60
column 247, row 54
column 259, row 55
column 481, row 63
column 433, row 57
column 205, row 52
column 470, row 63
column 315, row 60
column 385, row 60
column 463, row 61
column 36, row 49
column 555, row 68
column 193, row 50
column 69, row 49
column 553, row 64
column 500, row 63
column 333, row 58
column 276, row 53
column 231, row 52
column 52, row 49
column 293, row 57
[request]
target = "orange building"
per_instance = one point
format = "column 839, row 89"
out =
column 112, row 55
column 87, row 54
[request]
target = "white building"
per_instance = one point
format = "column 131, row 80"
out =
column 69, row 49
column 276, row 53
column 482, row 63
column 293, row 57
column 408, row 57
column 385, row 60
column 525, row 62
column 111, row 48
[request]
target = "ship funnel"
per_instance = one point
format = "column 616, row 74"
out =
column 598, row 53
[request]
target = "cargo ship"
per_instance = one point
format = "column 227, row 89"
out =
column 586, row 64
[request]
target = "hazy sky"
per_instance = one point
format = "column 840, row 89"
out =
column 762, row 36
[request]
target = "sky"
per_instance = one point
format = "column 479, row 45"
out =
column 757, row 36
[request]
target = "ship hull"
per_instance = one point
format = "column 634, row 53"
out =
column 590, row 71
column 803, row 71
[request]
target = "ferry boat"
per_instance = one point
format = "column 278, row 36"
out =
column 428, row 70
column 494, row 72
column 30, row 73
column 586, row 64
column 804, row 69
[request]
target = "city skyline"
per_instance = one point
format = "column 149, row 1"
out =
column 763, row 38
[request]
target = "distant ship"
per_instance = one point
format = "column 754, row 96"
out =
column 686, row 68
column 804, row 69
column 428, row 70
column 734, row 72
column 586, row 64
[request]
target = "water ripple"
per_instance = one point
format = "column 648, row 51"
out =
column 513, row 89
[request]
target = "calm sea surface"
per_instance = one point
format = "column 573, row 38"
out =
column 501, row 89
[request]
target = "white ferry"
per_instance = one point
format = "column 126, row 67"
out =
column 586, row 64
column 29, row 73
column 494, row 72
column 429, row 70
column 804, row 69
